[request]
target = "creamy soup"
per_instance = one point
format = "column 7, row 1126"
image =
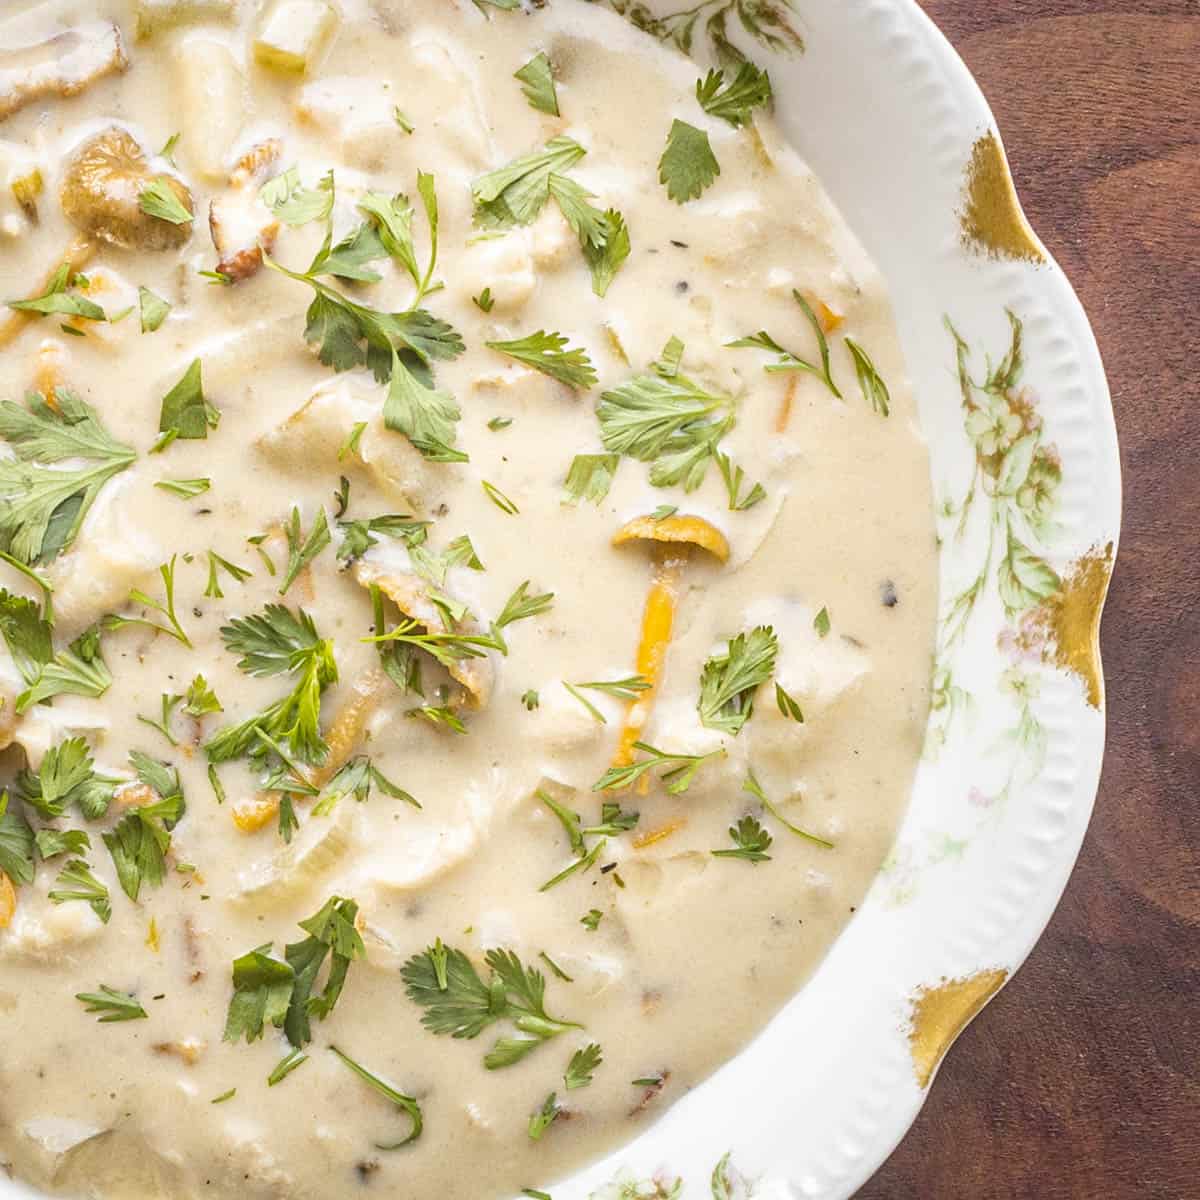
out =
column 460, row 493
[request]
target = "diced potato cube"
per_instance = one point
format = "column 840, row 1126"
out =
column 153, row 15
column 210, row 104
column 294, row 33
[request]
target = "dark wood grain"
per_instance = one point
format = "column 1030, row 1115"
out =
column 1082, row 1079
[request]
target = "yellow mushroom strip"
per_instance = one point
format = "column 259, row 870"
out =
column 78, row 254
column 673, row 538
column 8, row 901
column 62, row 65
column 653, row 836
column 347, row 729
column 343, row 738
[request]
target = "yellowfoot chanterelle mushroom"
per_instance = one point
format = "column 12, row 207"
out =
column 673, row 539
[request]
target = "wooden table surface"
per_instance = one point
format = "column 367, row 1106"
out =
column 1082, row 1078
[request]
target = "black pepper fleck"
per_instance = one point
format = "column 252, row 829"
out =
column 679, row 245
column 682, row 286
column 887, row 593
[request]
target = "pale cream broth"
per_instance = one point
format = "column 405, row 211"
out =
column 692, row 953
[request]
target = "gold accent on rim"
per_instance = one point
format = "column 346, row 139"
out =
column 991, row 219
column 1071, row 620
column 941, row 1012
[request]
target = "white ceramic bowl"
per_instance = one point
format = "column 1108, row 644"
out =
column 892, row 122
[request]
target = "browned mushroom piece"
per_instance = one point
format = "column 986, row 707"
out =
column 241, row 225
column 62, row 65
column 102, row 189
column 673, row 539
column 411, row 595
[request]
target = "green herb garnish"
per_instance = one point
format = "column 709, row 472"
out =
column 688, row 165
column 728, row 681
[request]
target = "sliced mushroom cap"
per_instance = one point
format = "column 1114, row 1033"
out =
column 101, row 194
column 62, row 65
column 411, row 595
column 694, row 531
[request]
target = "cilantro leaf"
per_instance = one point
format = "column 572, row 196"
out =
column 589, row 224
column 751, row 842
column 78, row 670
column 680, row 769
column 356, row 778
column 26, row 634
column 515, row 194
column 582, row 1066
column 331, row 932
column 152, row 310
column 426, row 416
column 544, row 352
column 537, row 79
column 545, row 1116
column 53, row 842
column 185, row 489
column 16, row 844
column 76, row 882
column 57, row 300
column 42, row 508
column 445, row 983
column 728, row 681
column 64, row 777
column 201, row 699
column 271, row 641
column 262, row 992
column 590, row 477
column 666, row 420
column 116, row 1006
column 735, row 100
column 159, row 199
column 295, row 204
column 605, row 261
column 186, row 413
column 302, row 550
column 688, row 165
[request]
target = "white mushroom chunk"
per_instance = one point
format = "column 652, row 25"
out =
column 62, row 65
column 48, row 934
column 112, row 554
column 209, row 104
column 504, row 265
column 294, row 869
column 241, row 225
column 356, row 114
column 325, row 423
column 294, row 34
column 155, row 15
column 449, row 88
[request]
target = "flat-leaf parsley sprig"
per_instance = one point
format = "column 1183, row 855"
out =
column 457, row 1002
column 668, row 420
column 275, row 642
column 42, row 506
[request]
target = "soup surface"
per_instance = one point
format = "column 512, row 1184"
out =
column 575, row 390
